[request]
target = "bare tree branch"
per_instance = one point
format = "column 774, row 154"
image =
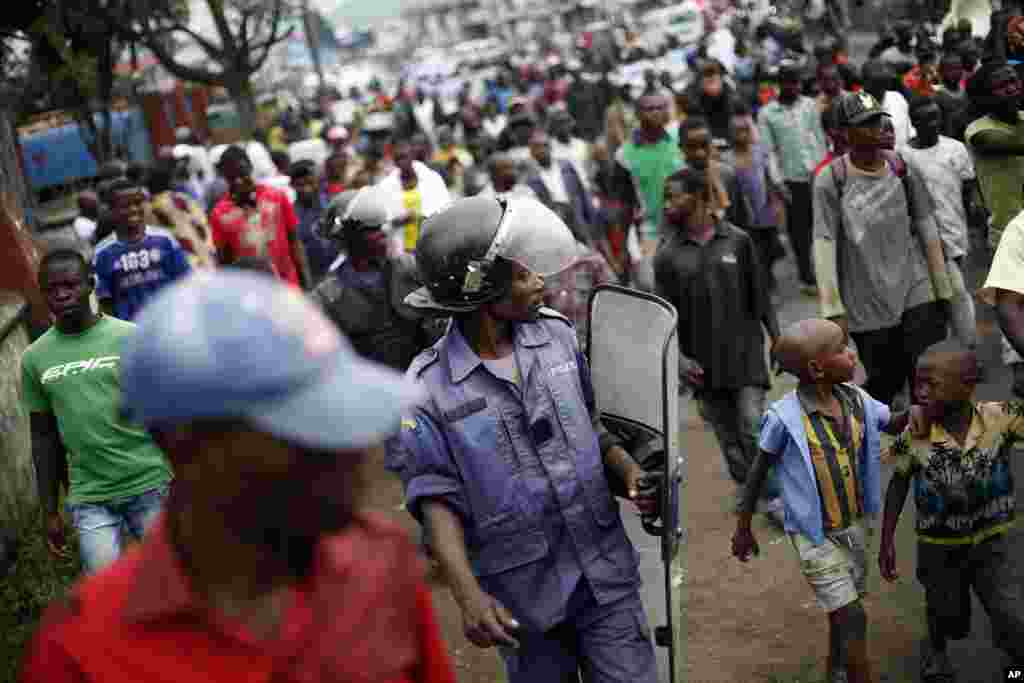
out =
column 275, row 36
column 214, row 51
column 227, row 38
column 243, row 27
column 182, row 71
column 247, row 31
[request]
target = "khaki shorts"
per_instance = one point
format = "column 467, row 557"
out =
column 837, row 569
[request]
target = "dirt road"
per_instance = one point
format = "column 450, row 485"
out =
column 758, row 621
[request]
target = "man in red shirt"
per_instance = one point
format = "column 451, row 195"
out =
column 263, row 566
column 256, row 221
column 836, row 136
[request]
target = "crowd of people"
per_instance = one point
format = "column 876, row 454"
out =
column 460, row 245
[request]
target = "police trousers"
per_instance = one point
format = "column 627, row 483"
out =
column 595, row 644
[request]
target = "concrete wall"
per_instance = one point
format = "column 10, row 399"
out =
column 17, row 473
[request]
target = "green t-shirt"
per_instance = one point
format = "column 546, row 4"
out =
column 1001, row 178
column 650, row 166
column 76, row 377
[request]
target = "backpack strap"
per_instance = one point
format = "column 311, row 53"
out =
column 839, row 172
column 899, row 166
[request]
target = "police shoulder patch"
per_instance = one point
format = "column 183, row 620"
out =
column 421, row 362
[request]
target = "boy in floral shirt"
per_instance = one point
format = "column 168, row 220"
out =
column 964, row 493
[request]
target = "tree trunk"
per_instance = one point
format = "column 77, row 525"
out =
column 98, row 137
column 240, row 90
column 312, row 28
column 105, row 94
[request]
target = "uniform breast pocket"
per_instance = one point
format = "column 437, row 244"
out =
column 488, row 467
column 578, row 442
column 567, row 406
column 475, row 427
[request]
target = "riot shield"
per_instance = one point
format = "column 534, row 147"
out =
column 634, row 362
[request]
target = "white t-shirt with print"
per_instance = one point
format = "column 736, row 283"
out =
column 944, row 168
column 896, row 106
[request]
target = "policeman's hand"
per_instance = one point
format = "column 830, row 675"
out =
column 56, row 536
column 744, row 545
column 643, row 490
column 487, row 623
column 887, row 560
column 695, row 374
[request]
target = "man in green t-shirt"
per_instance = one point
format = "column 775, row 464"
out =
column 642, row 165
column 116, row 476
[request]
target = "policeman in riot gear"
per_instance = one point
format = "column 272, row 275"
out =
column 365, row 295
column 506, row 462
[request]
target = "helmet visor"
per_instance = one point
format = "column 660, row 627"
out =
column 535, row 237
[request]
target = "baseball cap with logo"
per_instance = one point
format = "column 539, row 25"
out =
column 242, row 345
column 856, row 108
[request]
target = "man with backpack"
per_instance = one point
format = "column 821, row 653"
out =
column 879, row 260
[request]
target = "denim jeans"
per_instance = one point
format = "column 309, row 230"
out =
column 735, row 417
column 101, row 526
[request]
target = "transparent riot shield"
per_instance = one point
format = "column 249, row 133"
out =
column 634, row 361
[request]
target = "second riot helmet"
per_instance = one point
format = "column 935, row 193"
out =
column 353, row 211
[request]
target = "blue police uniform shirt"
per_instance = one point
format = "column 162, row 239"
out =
column 321, row 253
column 522, row 469
column 130, row 273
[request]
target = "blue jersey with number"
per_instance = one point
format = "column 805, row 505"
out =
column 130, row 273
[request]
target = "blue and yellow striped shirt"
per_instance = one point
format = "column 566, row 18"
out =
column 834, row 445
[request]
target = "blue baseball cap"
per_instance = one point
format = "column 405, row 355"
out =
column 243, row 345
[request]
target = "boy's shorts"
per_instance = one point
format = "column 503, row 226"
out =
column 837, row 569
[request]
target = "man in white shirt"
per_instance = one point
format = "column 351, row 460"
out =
column 878, row 81
column 412, row 191
column 504, row 175
column 566, row 147
column 557, row 184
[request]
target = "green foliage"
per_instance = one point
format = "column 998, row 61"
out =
column 35, row 580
